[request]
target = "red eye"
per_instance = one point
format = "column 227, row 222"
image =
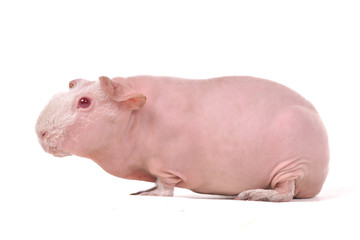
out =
column 84, row 102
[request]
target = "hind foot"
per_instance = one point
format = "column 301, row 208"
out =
column 284, row 192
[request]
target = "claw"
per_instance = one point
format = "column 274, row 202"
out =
column 145, row 191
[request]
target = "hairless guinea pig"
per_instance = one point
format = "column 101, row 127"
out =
column 239, row 136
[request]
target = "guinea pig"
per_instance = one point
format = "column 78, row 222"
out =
column 245, row 137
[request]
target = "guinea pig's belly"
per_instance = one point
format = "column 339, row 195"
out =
column 230, row 176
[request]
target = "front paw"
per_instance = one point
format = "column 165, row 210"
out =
column 157, row 191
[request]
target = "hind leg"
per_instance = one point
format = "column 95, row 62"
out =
column 283, row 192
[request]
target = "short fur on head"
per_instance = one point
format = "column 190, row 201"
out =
column 78, row 121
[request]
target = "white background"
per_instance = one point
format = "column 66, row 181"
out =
column 310, row 46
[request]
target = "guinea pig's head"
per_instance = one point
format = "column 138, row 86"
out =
column 83, row 119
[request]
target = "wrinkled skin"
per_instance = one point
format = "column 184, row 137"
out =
column 241, row 136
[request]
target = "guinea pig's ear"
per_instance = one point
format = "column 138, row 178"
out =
column 73, row 83
column 120, row 91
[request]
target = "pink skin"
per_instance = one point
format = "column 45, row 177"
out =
column 241, row 136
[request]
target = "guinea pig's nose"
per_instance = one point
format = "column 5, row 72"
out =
column 43, row 134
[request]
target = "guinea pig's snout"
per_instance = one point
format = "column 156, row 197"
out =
column 50, row 141
column 44, row 136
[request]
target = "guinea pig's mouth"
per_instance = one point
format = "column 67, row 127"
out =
column 56, row 152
